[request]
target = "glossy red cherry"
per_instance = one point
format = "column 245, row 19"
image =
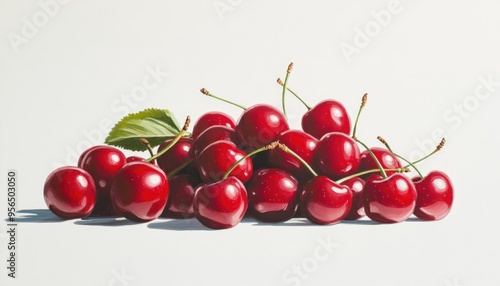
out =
column 140, row 191
column 327, row 116
column 180, row 198
column 386, row 158
column 209, row 119
column 323, row 201
column 210, row 135
column 84, row 153
column 216, row 159
column 259, row 125
column 134, row 159
column 176, row 156
column 356, row 185
column 69, row 192
column 222, row 204
column 272, row 195
column 434, row 196
column 336, row 155
column 389, row 200
column 102, row 163
column 303, row 145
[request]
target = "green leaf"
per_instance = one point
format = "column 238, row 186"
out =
column 155, row 125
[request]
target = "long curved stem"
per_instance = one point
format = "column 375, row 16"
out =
column 384, row 174
column 288, row 71
column 177, row 138
column 206, row 92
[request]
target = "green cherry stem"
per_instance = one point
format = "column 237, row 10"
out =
column 399, row 170
column 206, row 92
column 438, row 148
column 384, row 174
column 287, row 150
column 270, row 146
column 363, row 103
column 280, row 82
column 400, row 157
column 148, row 146
column 183, row 131
column 288, row 71
column 180, row 168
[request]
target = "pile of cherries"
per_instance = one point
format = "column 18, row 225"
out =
column 257, row 166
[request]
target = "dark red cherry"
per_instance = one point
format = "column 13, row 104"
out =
column 259, row 125
column 336, row 155
column 389, row 200
column 323, row 201
column 180, row 198
column 384, row 156
column 84, row 153
column 327, row 116
column 212, row 119
column 134, row 159
column 356, row 185
column 212, row 134
column 176, row 156
column 303, row 145
column 216, row 159
column 102, row 163
column 434, row 196
column 272, row 195
column 222, row 204
column 69, row 192
column 140, row 191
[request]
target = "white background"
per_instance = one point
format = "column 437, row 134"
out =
column 67, row 77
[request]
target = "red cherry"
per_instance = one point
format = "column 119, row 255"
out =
column 84, row 153
column 434, row 196
column 272, row 195
column 69, row 192
column 210, row 135
column 356, row 185
column 180, row 199
column 327, row 116
column 323, row 201
column 209, row 119
column 217, row 158
column 140, row 191
column 303, row 145
column 259, row 125
column 222, row 204
column 134, row 159
column 389, row 200
column 175, row 156
column 336, row 155
column 102, row 163
column 386, row 158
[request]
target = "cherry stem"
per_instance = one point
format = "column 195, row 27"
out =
column 438, row 148
column 399, row 170
column 288, row 71
column 206, row 92
column 148, row 146
column 384, row 174
column 270, row 146
column 179, row 168
column 174, row 141
column 292, row 92
column 363, row 103
column 287, row 150
column 400, row 157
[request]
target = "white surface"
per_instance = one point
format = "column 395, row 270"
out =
column 75, row 73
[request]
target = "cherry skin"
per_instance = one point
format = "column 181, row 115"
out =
column 336, row 155
column 217, row 158
column 222, row 204
column 272, row 195
column 384, row 156
column 69, row 192
column 177, row 155
column 434, row 196
column 323, row 201
column 102, row 163
column 303, row 145
column 84, row 153
column 140, row 191
column 389, row 200
column 134, row 159
column 356, row 185
column 327, row 116
column 259, row 125
column 209, row 119
column 210, row 135
column 180, row 199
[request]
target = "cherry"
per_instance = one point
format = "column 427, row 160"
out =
column 134, row 159
column 218, row 157
column 272, row 195
column 209, row 119
column 221, row 204
column 84, row 153
column 434, row 196
column 356, row 185
column 303, row 145
column 386, row 158
column 140, row 191
column 336, row 155
column 175, row 156
column 102, row 163
column 69, row 192
column 180, row 199
column 210, row 135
